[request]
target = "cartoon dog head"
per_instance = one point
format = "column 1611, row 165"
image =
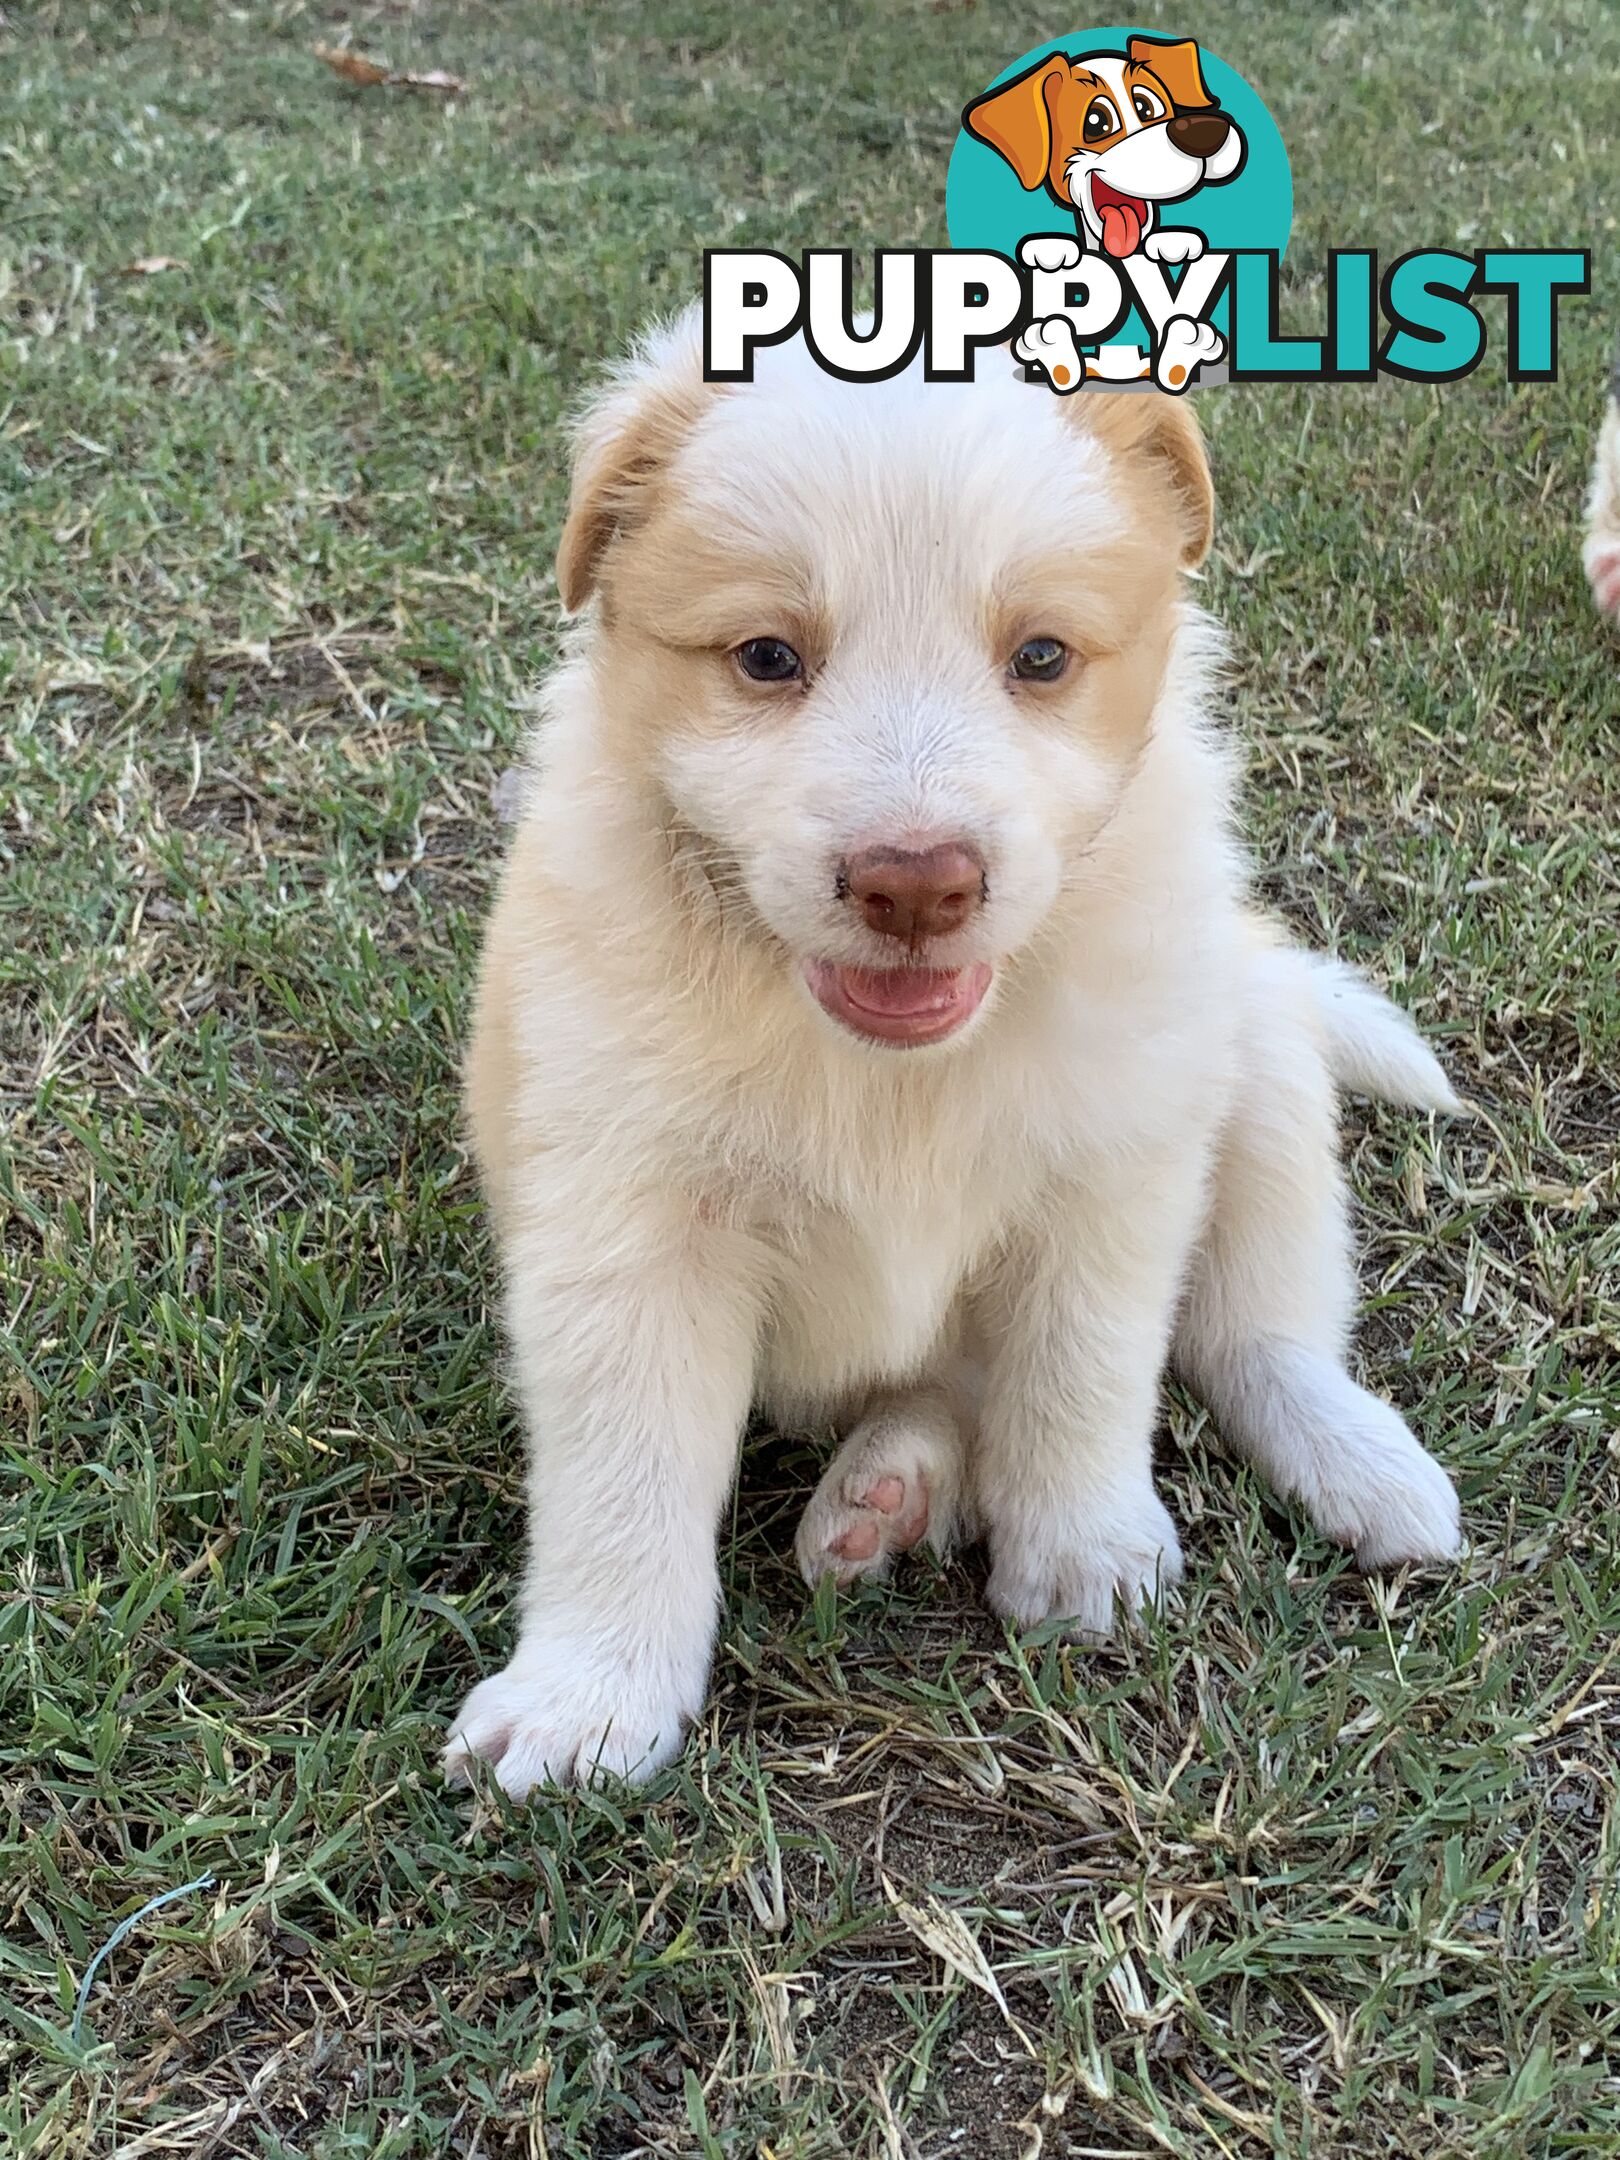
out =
column 1111, row 135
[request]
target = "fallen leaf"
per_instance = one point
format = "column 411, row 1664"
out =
column 356, row 68
column 352, row 66
column 150, row 265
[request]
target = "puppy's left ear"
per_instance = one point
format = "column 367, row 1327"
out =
column 623, row 443
column 1158, row 440
column 1175, row 62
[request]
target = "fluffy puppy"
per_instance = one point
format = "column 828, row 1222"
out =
column 873, row 1027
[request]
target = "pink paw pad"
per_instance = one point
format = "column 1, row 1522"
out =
column 859, row 1542
column 888, row 1497
column 892, row 1520
column 1604, row 571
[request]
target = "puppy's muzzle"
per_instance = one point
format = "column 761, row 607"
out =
column 915, row 893
column 1199, row 134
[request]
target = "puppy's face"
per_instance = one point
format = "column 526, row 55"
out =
column 887, row 654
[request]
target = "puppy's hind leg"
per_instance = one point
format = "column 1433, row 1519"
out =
column 897, row 1480
column 1263, row 1334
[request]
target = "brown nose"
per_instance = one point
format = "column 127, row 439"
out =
column 915, row 894
column 1200, row 134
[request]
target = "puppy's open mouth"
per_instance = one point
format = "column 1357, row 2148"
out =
column 1123, row 218
column 904, row 1005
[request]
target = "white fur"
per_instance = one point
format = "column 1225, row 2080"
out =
column 978, row 1256
column 1372, row 1047
column 1601, row 552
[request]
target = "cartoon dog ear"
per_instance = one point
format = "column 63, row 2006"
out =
column 1175, row 62
column 623, row 441
column 1159, row 437
column 1016, row 120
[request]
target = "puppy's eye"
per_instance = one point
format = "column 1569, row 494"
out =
column 1040, row 659
column 1148, row 108
column 768, row 659
column 1101, row 119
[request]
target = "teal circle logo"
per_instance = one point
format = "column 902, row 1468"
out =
column 1116, row 136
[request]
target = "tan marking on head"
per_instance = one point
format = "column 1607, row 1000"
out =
column 680, row 592
column 1174, row 65
column 623, row 446
column 1158, row 446
column 1114, row 608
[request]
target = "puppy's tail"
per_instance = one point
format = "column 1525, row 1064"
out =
column 1372, row 1047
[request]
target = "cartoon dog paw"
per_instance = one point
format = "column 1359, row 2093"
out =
column 1050, row 346
column 1185, row 347
column 1173, row 244
column 1049, row 251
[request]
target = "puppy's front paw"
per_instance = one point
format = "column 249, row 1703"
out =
column 1049, row 251
column 1603, row 573
column 567, row 1717
column 1124, row 1547
column 1382, row 1493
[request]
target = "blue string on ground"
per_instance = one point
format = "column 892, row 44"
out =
column 152, row 1905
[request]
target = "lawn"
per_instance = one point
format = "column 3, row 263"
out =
column 1318, row 1865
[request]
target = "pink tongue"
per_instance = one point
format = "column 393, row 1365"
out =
column 901, row 990
column 1122, row 228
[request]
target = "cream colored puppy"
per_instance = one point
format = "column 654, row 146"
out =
column 873, row 1026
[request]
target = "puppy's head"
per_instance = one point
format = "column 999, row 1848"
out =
column 1113, row 134
column 886, row 653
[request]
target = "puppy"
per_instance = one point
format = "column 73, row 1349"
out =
column 1110, row 136
column 1601, row 553
column 873, row 1026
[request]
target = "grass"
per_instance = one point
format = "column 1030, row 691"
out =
column 1318, row 1866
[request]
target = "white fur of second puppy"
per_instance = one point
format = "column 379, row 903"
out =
column 1601, row 553
column 873, row 1025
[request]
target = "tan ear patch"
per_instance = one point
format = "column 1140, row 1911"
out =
column 1175, row 62
column 625, row 442
column 1016, row 120
column 1159, row 438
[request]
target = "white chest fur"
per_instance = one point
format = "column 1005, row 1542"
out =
column 860, row 1303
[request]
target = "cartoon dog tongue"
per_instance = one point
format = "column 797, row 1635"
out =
column 1121, row 228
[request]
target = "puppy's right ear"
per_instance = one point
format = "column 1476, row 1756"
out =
column 1017, row 119
column 623, row 442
